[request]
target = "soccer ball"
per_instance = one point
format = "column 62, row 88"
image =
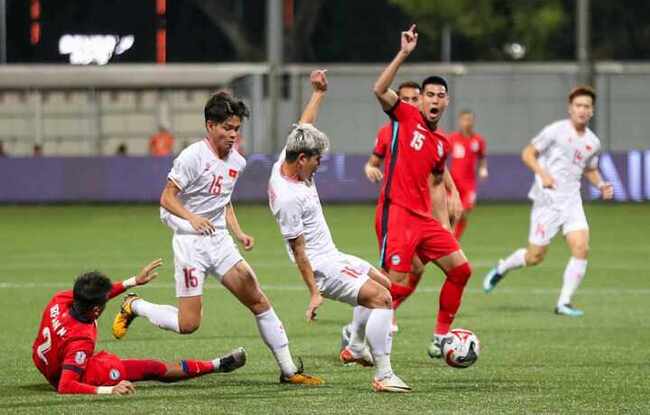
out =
column 461, row 348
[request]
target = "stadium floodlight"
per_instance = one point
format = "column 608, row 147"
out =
column 97, row 49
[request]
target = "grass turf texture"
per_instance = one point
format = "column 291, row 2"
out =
column 531, row 360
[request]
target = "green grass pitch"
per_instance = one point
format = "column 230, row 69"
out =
column 531, row 360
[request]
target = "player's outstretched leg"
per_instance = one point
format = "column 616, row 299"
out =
column 241, row 281
column 402, row 290
column 376, row 297
column 144, row 369
column 522, row 257
column 574, row 272
column 161, row 315
column 458, row 271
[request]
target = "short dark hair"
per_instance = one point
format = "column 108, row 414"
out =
column 408, row 84
column 435, row 80
column 91, row 289
column 222, row 105
column 582, row 90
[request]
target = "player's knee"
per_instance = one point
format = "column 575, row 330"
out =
column 188, row 327
column 580, row 251
column 381, row 299
column 534, row 257
column 460, row 274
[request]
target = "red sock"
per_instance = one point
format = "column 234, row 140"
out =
column 450, row 296
column 197, row 367
column 399, row 293
column 143, row 369
column 460, row 228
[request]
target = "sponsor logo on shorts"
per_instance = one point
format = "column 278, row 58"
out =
column 80, row 358
column 114, row 374
column 395, row 259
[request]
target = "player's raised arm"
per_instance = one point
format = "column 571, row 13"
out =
column 306, row 271
column 319, row 84
column 247, row 241
column 146, row 274
column 386, row 96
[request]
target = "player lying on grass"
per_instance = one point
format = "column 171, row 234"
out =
column 64, row 349
column 196, row 205
column 559, row 156
column 408, row 228
column 294, row 201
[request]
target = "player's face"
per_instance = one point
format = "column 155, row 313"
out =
column 466, row 122
column 307, row 166
column 410, row 95
column 224, row 134
column 581, row 109
column 433, row 102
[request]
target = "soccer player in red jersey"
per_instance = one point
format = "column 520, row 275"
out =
column 468, row 151
column 64, row 349
column 408, row 92
column 419, row 150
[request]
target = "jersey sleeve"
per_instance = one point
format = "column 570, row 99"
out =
column 75, row 360
column 185, row 170
column 482, row 147
column 117, row 289
column 592, row 162
column 544, row 139
column 382, row 142
column 289, row 218
column 402, row 111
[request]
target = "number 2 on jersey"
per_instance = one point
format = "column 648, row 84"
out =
column 215, row 187
column 45, row 346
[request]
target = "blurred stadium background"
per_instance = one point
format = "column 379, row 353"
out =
column 84, row 81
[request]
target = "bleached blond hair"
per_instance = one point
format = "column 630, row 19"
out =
column 307, row 139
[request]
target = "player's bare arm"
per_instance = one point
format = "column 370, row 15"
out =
column 386, row 96
column 483, row 168
column 372, row 170
column 170, row 201
column 439, row 202
column 149, row 272
column 594, row 177
column 306, row 271
column 529, row 156
column 454, row 205
column 247, row 241
column 319, row 84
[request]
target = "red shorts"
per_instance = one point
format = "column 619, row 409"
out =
column 405, row 234
column 104, row 369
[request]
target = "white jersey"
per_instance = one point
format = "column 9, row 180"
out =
column 297, row 209
column 206, row 184
column 564, row 155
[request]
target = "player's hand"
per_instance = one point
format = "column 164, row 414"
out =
column 606, row 190
column 148, row 273
column 123, row 388
column 483, row 173
column 202, row 225
column 318, row 80
column 373, row 174
column 548, row 182
column 314, row 303
column 409, row 40
column 247, row 241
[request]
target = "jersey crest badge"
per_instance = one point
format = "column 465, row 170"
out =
column 395, row 259
column 232, row 173
column 114, row 374
column 80, row 358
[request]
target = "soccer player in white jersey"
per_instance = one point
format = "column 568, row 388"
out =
column 195, row 204
column 559, row 156
column 326, row 271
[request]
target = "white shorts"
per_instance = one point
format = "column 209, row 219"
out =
column 196, row 256
column 546, row 220
column 341, row 277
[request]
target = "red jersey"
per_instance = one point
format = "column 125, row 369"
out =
column 465, row 154
column 64, row 343
column 415, row 153
column 383, row 140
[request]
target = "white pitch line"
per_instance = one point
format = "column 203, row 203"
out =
column 298, row 287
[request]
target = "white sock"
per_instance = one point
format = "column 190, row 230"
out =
column 161, row 315
column 216, row 362
column 573, row 275
column 360, row 315
column 380, row 340
column 274, row 336
column 516, row 260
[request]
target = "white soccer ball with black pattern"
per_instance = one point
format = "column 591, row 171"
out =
column 461, row 348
